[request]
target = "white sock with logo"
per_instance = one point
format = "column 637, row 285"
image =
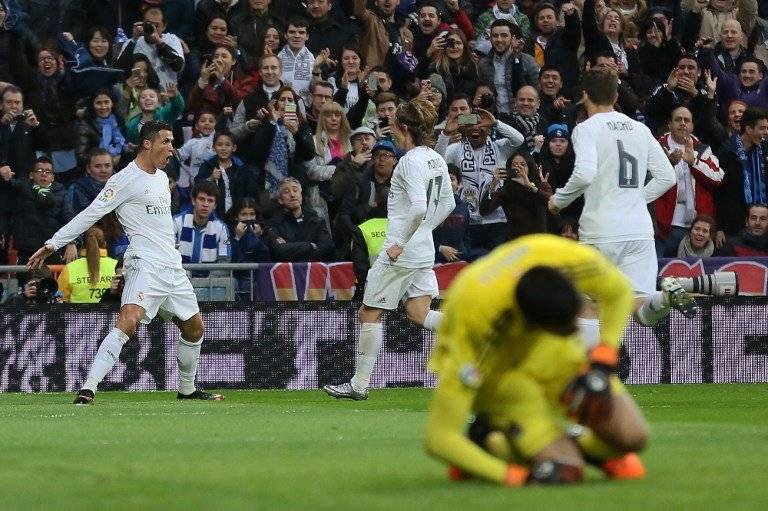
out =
column 106, row 358
column 371, row 338
column 187, row 358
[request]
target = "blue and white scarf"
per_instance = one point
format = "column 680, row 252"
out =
column 111, row 138
column 752, row 166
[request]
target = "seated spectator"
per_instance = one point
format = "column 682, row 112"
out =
column 506, row 10
column 28, row 290
column 152, row 109
column 522, row 192
column 200, row 237
column 88, row 65
column 88, row 278
column 698, row 241
column 234, row 179
column 295, row 233
column 555, row 46
column 39, row 210
column 478, row 157
column 164, row 51
column 246, row 236
column 84, row 189
column 101, row 128
column 197, row 149
column 450, row 236
column 698, row 177
column 141, row 76
column 52, row 100
column 752, row 241
column 18, row 47
column 454, row 62
column 289, row 140
column 746, row 174
column 506, row 66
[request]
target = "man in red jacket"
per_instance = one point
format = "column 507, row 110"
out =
column 698, row 175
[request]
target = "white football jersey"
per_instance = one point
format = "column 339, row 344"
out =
column 143, row 205
column 420, row 198
column 613, row 156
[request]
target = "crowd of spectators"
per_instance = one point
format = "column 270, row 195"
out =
column 282, row 113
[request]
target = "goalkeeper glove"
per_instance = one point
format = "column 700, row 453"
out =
column 588, row 397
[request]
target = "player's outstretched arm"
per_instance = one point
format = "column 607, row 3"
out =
column 39, row 257
column 662, row 172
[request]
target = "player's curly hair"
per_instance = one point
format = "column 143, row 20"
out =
column 419, row 116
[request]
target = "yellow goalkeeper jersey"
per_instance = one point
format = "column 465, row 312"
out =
column 483, row 333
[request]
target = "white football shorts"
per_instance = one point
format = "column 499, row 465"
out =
column 386, row 285
column 166, row 291
column 637, row 261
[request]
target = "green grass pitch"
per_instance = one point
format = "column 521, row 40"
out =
column 286, row 450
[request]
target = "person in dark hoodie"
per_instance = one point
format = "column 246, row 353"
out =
column 557, row 160
column 98, row 170
column 297, row 233
column 752, row 241
column 88, row 63
column 40, row 210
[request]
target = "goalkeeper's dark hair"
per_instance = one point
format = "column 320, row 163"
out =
column 548, row 300
column 150, row 130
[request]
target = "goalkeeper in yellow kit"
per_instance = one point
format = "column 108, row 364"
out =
column 509, row 354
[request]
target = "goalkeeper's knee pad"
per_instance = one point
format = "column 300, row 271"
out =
column 555, row 472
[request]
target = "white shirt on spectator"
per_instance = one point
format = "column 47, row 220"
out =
column 164, row 73
column 297, row 70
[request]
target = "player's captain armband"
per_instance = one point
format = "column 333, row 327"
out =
column 470, row 376
column 106, row 195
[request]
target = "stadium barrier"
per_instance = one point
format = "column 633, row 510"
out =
column 302, row 345
column 336, row 281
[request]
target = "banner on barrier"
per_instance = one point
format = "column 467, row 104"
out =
column 336, row 281
column 303, row 345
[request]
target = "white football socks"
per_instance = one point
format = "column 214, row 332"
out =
column 590, row 331
column 432, row 320
column 653, row 310
column 187, row 357
column 371, row 337
column 106, row 358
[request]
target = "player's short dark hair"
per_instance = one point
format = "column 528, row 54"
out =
column 150, row 130
column 206, row 187
column 601, row 85
column 752, row 116
column 548, row 300
column 455, row 171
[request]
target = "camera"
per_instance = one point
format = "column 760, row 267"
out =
column 148, row 28
column 486, row 101
column 449, row 43
column 721, row 283
column 21, row 116
column 46, row 290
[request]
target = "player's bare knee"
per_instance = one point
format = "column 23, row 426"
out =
column 368, row 314
column 193, row 329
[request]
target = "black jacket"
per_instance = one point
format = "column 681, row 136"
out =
column 18, row 146
column 729, row 198
column 18, row 56
column 298, row 236
column 243, row 181
column 55, row 108
column 330, row 34
column 35, row 217
column 256, row 148
column 561, row 51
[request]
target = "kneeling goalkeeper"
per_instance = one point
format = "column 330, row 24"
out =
column 509, row 354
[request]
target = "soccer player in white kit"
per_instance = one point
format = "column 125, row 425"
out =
column 420, row 198
column 613, row 155
column 155, row 281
